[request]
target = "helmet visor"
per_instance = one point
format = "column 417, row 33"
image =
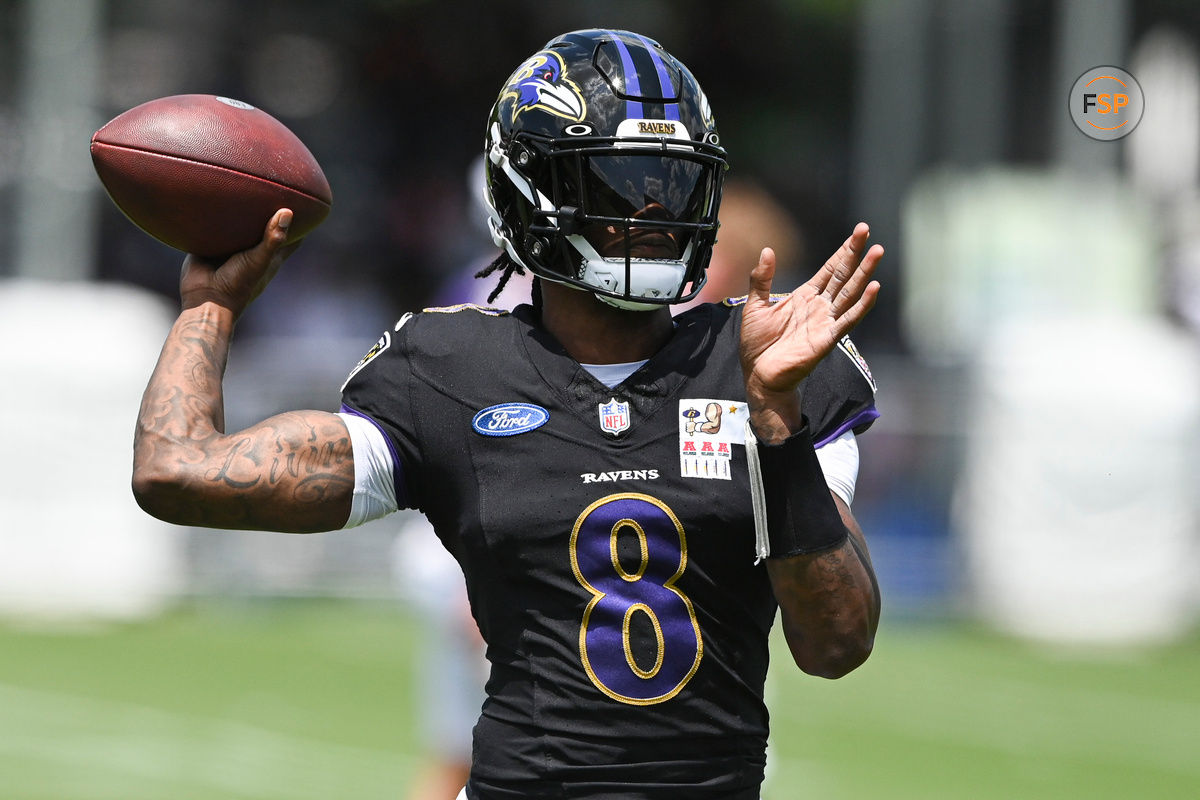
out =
column 650, row 186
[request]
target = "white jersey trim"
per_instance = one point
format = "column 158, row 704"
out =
column 374, row 487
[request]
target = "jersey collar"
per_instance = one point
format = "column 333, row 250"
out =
column 646, row 390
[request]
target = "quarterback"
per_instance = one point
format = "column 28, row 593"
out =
column 632, row 496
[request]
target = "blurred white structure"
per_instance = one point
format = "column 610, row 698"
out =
column 986, row 246
column 1076, row 508
column 73, row 543
column 1164, row 157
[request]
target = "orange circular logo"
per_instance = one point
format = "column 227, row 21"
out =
column 1106, row 103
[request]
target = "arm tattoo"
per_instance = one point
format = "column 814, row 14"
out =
column 828, row 586
column 222, row 474
column 292, row 472
column 835, row 575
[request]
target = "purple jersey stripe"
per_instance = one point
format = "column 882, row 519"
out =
column 861, row 418
column 397, row 465
column 633, row 86
column 671, row 109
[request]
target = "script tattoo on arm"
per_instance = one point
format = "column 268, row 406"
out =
column 293, row 472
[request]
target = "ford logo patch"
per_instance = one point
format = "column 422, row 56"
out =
column 509, row 419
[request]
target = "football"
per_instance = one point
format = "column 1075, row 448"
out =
column 204, row 174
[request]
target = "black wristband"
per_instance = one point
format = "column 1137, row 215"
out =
column 801, row 517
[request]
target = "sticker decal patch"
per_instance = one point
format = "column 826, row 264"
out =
column 541, row 83
column 509, row 419
column 708, row 430
column 658, row 128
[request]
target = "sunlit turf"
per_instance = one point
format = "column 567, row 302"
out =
column 304, row 699
column 954, row 712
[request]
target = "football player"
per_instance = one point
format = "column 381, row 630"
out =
column 632, row 496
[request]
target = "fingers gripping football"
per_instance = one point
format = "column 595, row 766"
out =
column 235, row 283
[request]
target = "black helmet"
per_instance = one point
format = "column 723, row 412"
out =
column 605, row 128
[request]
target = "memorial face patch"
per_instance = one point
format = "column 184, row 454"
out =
column 708, row 430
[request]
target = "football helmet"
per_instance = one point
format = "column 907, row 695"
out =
column 604, row 169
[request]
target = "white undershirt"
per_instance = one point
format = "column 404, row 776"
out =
column 612, row 374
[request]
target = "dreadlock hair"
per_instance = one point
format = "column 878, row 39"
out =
column 507, row 265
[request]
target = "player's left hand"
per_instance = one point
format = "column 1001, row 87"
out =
column 783, row 342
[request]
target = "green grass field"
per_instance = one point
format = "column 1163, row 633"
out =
column 303, row 699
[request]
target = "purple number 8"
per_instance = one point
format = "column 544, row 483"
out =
column 618, row 595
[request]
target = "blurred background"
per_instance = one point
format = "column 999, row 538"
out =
column 1030, row 493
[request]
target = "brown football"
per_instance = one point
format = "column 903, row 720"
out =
column 204, row 174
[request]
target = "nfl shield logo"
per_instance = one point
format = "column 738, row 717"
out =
column 614, row 416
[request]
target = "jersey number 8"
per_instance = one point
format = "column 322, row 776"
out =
column 619, row 595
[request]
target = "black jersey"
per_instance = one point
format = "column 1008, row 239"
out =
column 607, row 540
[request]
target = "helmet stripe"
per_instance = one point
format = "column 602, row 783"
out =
column 664, row 80
column 633, row 85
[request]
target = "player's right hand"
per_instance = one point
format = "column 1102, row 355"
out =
column 242, row 277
